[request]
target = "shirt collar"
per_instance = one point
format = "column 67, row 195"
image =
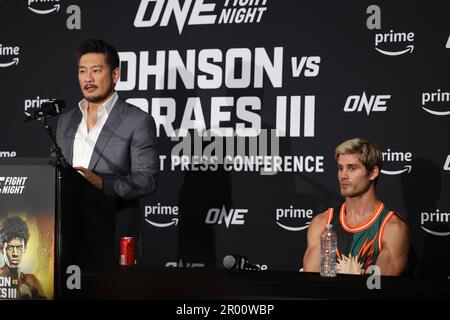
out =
column 107, row 106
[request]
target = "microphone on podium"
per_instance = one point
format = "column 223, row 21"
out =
column 50, row 109
column 238, row 263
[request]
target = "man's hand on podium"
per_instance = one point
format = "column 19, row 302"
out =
column 94, row 179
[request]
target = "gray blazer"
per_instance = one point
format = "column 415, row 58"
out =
column 125, row 157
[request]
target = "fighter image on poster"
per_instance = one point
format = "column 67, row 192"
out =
column 14, row 237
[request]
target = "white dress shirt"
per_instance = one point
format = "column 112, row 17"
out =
column 85, row 141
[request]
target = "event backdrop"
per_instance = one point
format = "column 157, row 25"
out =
column 250, row 99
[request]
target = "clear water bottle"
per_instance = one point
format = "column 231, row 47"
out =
column 328, row 244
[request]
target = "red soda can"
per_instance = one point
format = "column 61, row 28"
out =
column 127, row 256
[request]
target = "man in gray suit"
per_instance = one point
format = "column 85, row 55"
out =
column 110, row 142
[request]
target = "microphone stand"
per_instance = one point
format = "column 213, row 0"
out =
column 60, row 165
column 60, row 162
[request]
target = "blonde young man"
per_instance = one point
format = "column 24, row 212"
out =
column 368, row 233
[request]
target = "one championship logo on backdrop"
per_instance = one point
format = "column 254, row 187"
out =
column 228, row 217
column 388, row 43
column 196, row 12
column 435, row 222
column 161, row 216
column 6, row 51
column 395, row 157
column 436, row 99
column 12, row 185
column 49, row 6
column 373, row 103
column 285, row 218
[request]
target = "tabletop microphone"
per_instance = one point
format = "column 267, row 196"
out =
column 50, row 108
column 238, row 263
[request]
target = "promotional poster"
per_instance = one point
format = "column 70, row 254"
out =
column 27, row 226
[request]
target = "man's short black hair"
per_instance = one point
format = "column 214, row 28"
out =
column 14, row 227
column 99, row 46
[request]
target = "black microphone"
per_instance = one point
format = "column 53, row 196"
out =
column 237, row 263
column 50, row 109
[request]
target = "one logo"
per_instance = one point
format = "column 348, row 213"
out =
column 8, row 154
column 447, row 163
column 54, row 8
column 433, row 97
column 196, row 12
column 231, row 217
column 405, row 158
column 375, row 103
column 9, row 51
column 448, row 43
column 159, row 212
column 293, row 216
column 439, row 220
column 181, row 264
column 12, row 185
column 31, row 104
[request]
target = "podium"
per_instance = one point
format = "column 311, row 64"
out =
column 86, row 229
column 87, row 223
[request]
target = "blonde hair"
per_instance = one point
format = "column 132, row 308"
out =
column 368, row 153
